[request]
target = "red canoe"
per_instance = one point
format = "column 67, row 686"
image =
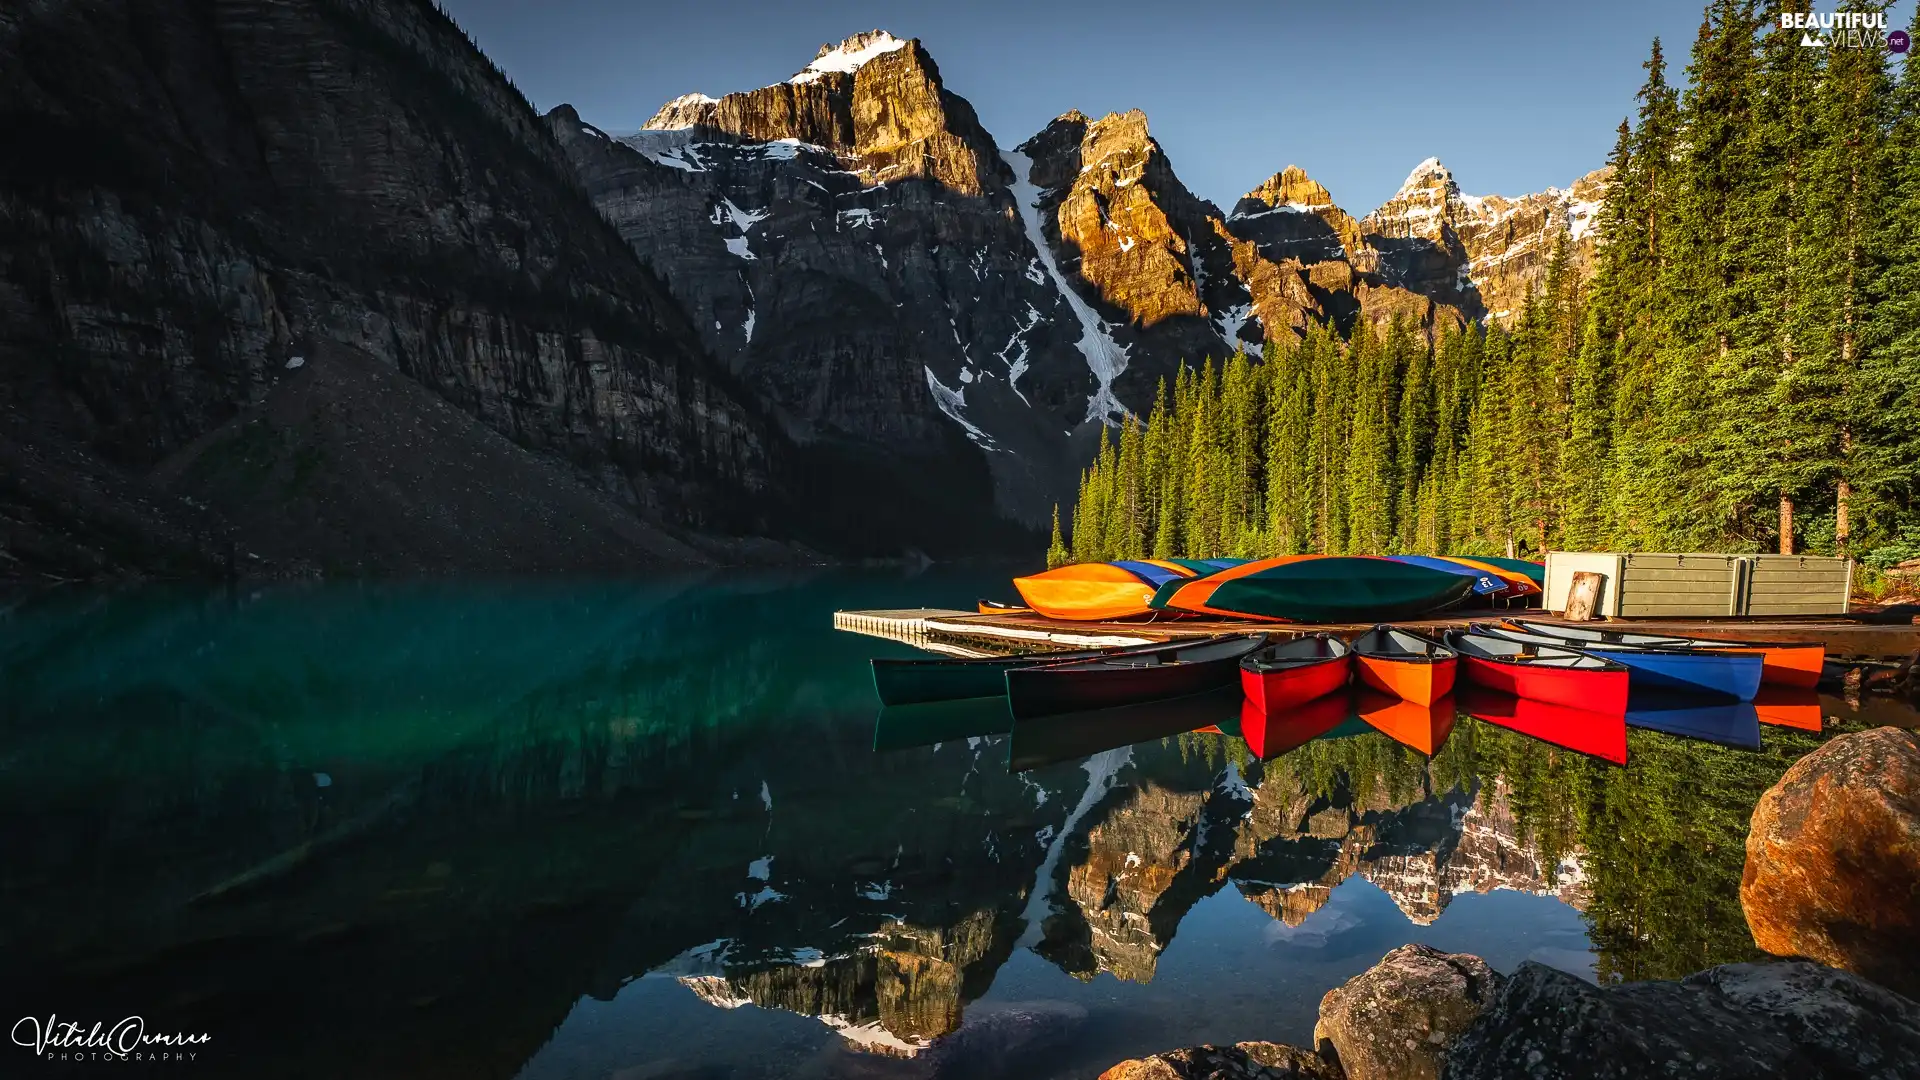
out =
column 1423, row 727
column 1295, row 672
column 1269, row 735
column 1602, row 735
column 1404, row 664
column 1541, row 672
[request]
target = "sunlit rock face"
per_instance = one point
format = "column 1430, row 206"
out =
column 858, row 249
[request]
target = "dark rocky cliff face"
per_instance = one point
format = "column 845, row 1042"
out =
column 848, row 243
column 202, row 201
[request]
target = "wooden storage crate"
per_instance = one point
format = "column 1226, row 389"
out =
column 1798, row 585
column 1690, row 585
column 1657, row 586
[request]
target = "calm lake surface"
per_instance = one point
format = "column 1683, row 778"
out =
column 567, row 829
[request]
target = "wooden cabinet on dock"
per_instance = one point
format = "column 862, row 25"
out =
column 1681, row 585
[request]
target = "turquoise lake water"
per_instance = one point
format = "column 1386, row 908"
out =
column 591, row 829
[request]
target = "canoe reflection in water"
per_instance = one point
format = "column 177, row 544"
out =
column 1045, row 740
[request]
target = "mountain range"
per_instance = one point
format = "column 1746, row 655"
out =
column 310, row 287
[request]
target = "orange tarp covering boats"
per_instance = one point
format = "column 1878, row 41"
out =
column 1093, row 591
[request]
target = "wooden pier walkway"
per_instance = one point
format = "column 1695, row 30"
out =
column 965, row 633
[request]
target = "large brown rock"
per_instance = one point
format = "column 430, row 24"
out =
column 1395, row 1020
column 1833, row 859
column 1241, row 1061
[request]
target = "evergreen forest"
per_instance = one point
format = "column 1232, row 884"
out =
column 1739, row 371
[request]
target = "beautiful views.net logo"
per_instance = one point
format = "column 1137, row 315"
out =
column 1844, row 30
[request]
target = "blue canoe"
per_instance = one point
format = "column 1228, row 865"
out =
column 1687, row 671
column 1729, row 723
column 1483, row 584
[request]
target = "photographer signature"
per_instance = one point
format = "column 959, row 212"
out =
column 126, row 1039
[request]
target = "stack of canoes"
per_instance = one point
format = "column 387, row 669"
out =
column 1573, row 686
column 1294, row 588
column 1101, row 591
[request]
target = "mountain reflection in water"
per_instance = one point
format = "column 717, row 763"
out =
column 561, row 829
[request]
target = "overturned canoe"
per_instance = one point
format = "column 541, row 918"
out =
column 1539, row 671
column 1294, row 672
column 1096, row 591
column 1783, row 663
column 1272, row 733
column 1423, row 726
column 1405, row 664
column 1517, row 583
column 920, row 679
column 1597, row 734
column 1192, row 667
column 1485, row 583
column 996, row 607
column 1318, row 588
column 1713, row 672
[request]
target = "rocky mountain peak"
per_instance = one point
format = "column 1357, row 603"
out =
column 849, row 55
column 876, row 101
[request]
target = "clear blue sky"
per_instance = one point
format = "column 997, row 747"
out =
column 1513, row 97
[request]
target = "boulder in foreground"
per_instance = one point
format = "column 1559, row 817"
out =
column 1737, row 1022
column 1241, row 1061
column 1395, row 1020
column 1833, row 859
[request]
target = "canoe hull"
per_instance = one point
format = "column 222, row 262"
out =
column 1421, row 682
column 914, row 682
column 1703, row 671
column 1795, row 666
column 1602, row 692
column 1596, row 734
column 1790, row 706
column 1274, row 691
column 1066, row 688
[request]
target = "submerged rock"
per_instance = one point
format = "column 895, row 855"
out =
column 1790, row 1018
column 1248, row 1060
column 1395, row 1020
column 1833, row 859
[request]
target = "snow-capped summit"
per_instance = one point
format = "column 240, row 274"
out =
column 1429, row 175
column 849, row 55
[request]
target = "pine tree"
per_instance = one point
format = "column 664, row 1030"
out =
column 1057, row 553
column 1883, row 460
column 1413, row 444
column 1370, row 472
column 1290, row 471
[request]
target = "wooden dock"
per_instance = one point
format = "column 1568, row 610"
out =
column 964, row 633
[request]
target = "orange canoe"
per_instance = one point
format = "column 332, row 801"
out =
column 1789, row 706
column 1405, row 665
column 1090, row 592
column 1421, row 726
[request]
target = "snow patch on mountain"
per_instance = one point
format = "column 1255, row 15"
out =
column 1105, row 357
column 954, row 404
column 850, row 55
